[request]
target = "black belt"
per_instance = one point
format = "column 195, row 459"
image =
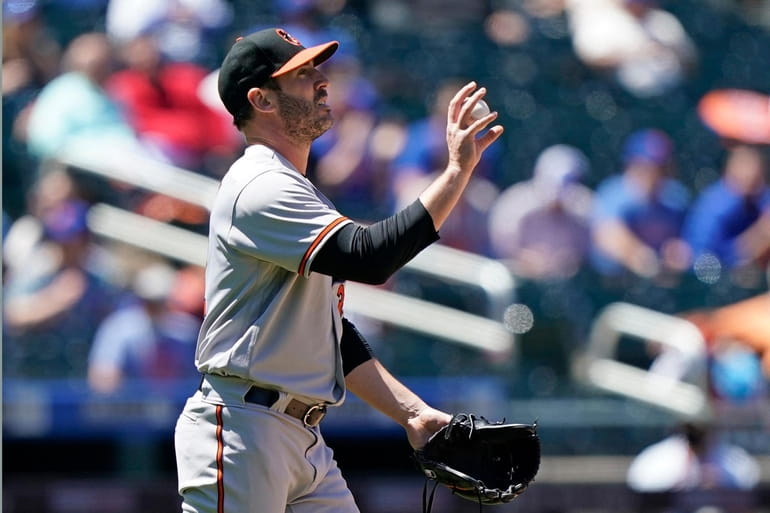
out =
column 310, row 414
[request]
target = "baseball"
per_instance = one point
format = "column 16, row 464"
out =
column 480, row 110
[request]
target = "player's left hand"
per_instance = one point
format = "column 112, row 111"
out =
column 420, row 427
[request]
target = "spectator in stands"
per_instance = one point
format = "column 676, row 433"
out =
column 539, row 227
column 641, row 46
column 694, row 458
column 147, row 338
column 309, row 22
column 30, row 59
column 185, row 30
column 28, row 45
column 73, row 110
column 697, row 456
column 730, row 219
column 160, row 100
column 637, row 214
column 53, row 302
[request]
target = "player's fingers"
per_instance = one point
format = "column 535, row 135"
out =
column 480, row 124
column 490, row 136
column 468, row 103
column 456, row 103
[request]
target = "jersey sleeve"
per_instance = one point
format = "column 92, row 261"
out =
column 281, row 218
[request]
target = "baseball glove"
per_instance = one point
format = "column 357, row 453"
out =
column 485, row 462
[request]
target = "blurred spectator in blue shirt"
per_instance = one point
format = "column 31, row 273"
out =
column 74, row 110
column 730, row 219
column 147, row 338
column 54, row 301
column 638, row 214
column 539, row 227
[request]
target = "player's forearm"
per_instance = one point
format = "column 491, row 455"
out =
column 377, row 387
column 618, row 242
column 754, row 243
column 42, row 306
column 441, row 196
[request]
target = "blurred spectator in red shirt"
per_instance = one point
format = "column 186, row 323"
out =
column 161, row 101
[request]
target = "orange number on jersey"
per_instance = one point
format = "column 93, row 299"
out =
column 340, row 297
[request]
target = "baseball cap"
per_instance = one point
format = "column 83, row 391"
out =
column 255, row 58
column 154, row 282
column 67, row 221
column 648, row 145
column 560, row 164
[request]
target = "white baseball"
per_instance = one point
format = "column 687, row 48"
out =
column 480, row 110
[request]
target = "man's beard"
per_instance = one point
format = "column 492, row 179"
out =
column 301, row 119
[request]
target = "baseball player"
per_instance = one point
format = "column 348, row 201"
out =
column 275, row 349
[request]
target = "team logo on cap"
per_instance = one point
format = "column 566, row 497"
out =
column 288, row 37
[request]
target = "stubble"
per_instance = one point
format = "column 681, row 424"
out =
column 301, row 118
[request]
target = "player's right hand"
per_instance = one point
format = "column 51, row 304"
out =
column 464, row 145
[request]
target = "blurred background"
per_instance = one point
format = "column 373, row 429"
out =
column 606, row 274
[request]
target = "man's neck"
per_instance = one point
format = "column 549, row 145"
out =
column 297, row 154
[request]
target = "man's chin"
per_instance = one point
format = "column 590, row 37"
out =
column 326, row 125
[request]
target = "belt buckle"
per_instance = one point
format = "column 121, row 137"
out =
column 314, row 415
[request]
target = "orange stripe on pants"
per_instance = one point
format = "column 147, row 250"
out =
column 220, row 463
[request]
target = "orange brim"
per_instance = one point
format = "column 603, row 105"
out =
column 315, row 54
column 737, row 114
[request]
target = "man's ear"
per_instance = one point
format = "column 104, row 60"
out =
column 259, row 99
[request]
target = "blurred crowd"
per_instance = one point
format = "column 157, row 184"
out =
column 615, row 181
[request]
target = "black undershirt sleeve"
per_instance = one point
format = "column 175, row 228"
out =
column 353, row 347
column 371, row 254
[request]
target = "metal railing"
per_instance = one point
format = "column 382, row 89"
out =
column 675, row 381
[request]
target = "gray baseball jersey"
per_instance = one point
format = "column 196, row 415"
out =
column 268, row 318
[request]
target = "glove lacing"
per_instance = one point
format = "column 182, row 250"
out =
column 427, row 499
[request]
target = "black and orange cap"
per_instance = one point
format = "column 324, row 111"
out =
column 255, row 58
